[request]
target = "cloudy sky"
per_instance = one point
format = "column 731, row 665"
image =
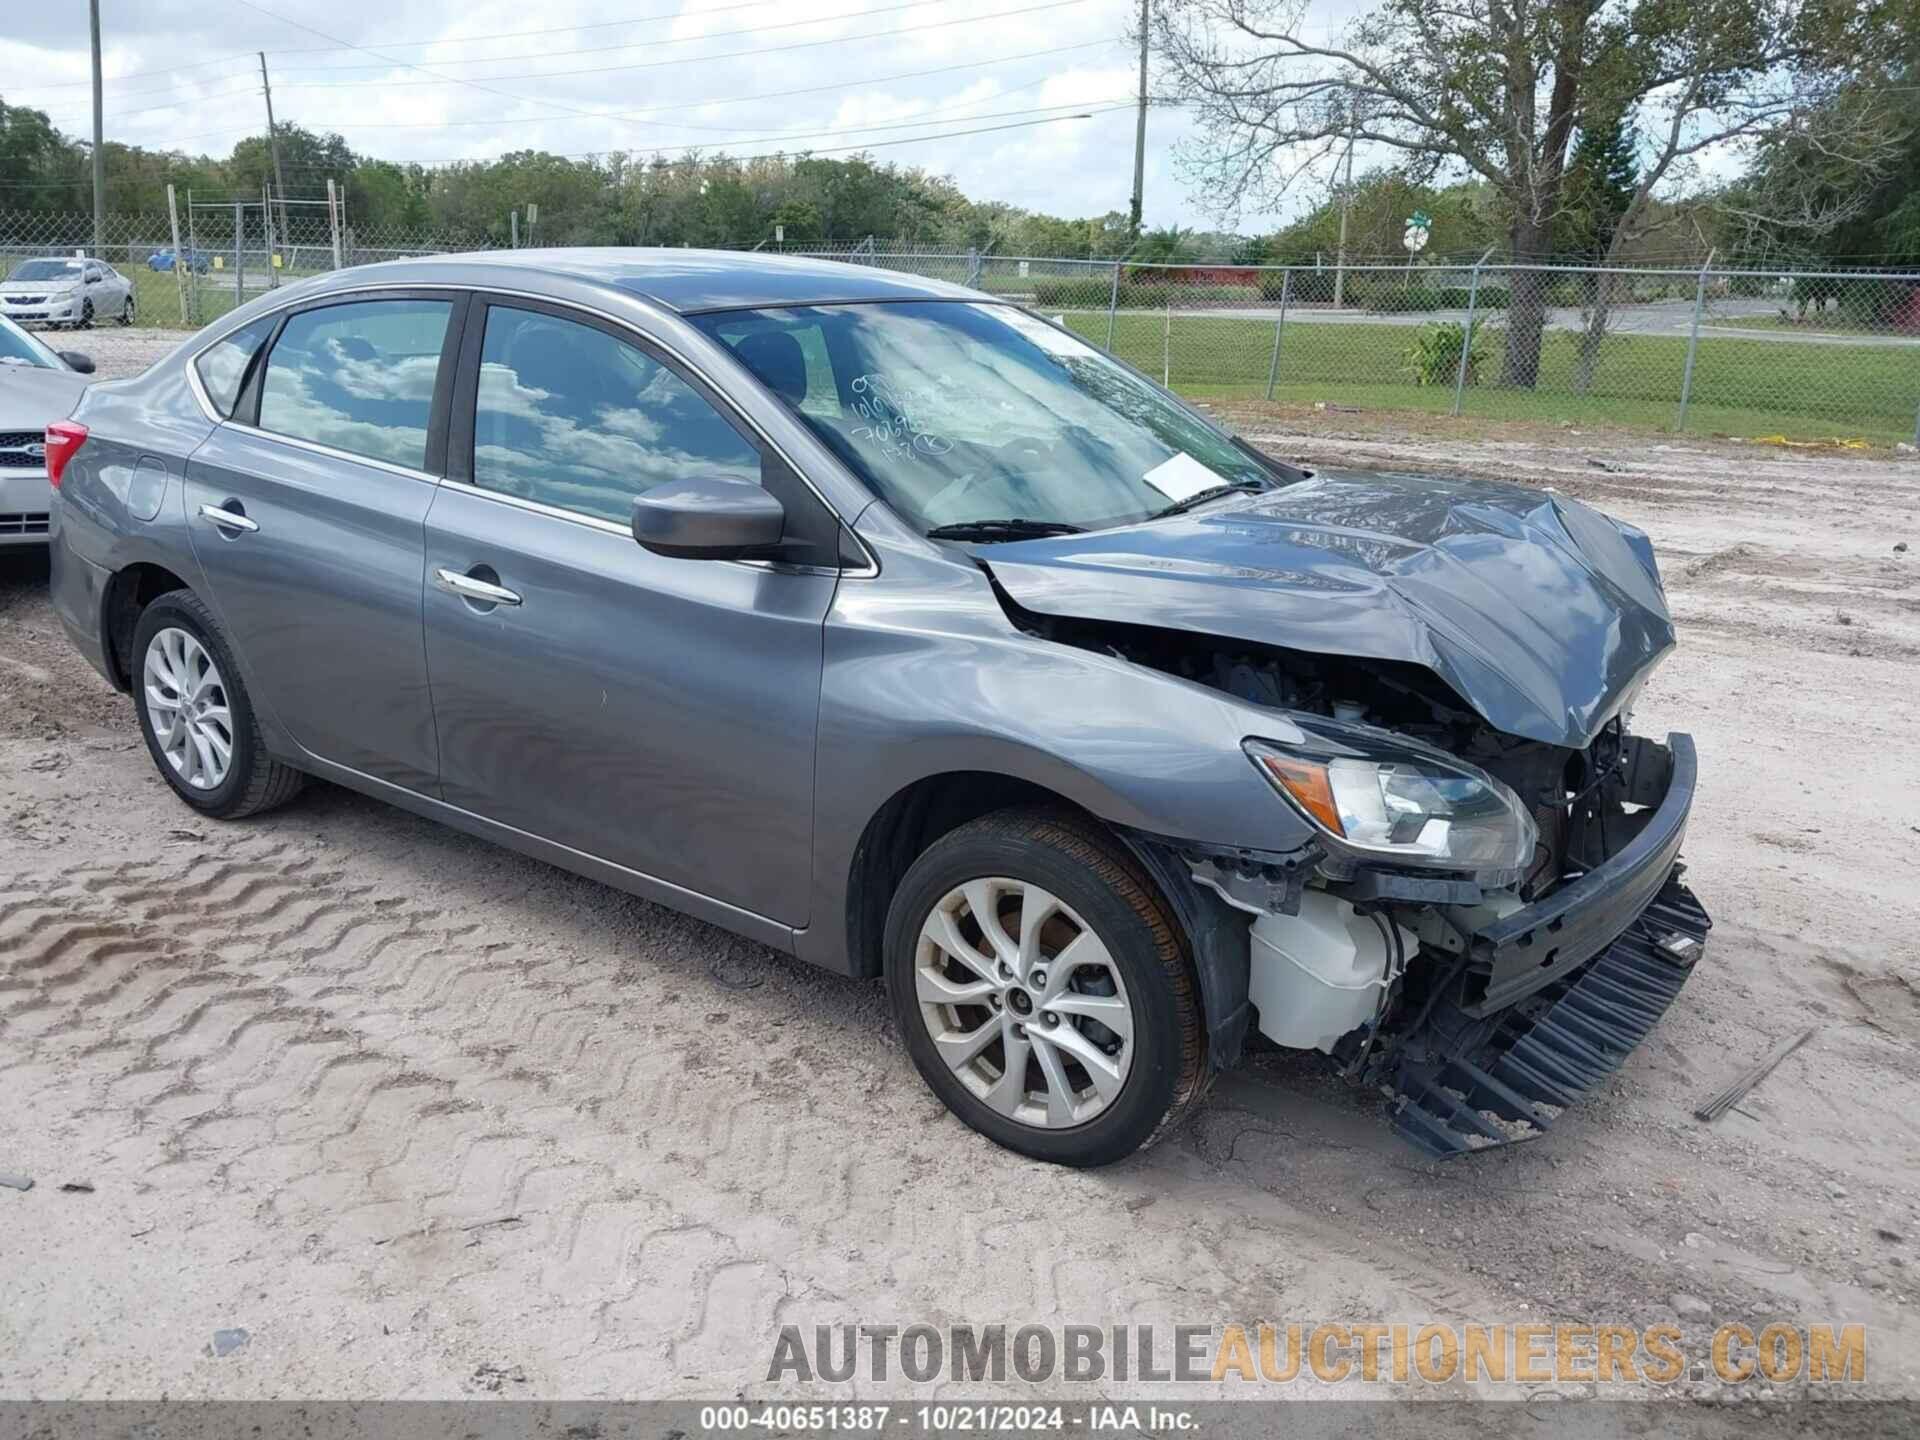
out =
column 576, row 76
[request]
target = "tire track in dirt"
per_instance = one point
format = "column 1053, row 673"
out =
column 442, row 1113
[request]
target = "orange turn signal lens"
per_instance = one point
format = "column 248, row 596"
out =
column 1306, row 781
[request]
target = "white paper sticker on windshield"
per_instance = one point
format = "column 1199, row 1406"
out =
column 1182, row 477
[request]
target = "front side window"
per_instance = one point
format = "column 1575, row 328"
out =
column 358, row 377
column 957, row 413
column 570, row 416
column 223, row 365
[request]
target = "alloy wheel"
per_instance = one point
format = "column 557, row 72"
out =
column 1024, row 1003
column 187, row 708
column 126, row 314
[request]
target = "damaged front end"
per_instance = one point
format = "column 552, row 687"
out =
column 1484, row 927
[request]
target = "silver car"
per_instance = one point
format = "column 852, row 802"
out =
column 902, row 630
column 37, row 384
column 75, row 292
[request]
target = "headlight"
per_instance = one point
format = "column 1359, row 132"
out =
column 1397, row 799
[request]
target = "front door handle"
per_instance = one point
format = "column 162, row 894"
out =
column 228, row 519
column 484, row 592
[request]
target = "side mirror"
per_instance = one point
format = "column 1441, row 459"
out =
column 708, row 519
column 77, row 362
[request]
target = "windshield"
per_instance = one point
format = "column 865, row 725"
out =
column 17, row 347
column 46, row 270
column 958, row 412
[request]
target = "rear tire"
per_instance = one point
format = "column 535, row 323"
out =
column 196, row 717
column 1110, row 1046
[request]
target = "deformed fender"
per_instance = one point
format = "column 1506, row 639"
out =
column 948, row 685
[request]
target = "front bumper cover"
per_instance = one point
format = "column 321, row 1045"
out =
column 1557, row 995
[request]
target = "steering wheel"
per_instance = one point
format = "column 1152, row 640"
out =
column 1024, row 447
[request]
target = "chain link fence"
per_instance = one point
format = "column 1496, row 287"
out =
column 1801, row 355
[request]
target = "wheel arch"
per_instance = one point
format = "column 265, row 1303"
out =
column 905, row 825
column 921, row 812
column 130, row 591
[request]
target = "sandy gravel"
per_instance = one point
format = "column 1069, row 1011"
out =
column 430, row 1119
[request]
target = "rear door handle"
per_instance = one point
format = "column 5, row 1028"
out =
column 227, row 519
column 468, row 588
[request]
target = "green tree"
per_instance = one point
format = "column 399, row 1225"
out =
column 1496, row 90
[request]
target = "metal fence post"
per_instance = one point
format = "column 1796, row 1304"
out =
column 239, row 255
column 1279, row 329
column 333, row 220
column 1166, row 347
column 974, row 266
column 1466, row 336
column 181, row 264
column 1693, row 344
column 1113, row 304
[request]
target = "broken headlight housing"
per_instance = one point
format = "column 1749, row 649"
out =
column 1382, row 795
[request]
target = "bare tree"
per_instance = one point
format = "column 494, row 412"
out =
column 1497, row 88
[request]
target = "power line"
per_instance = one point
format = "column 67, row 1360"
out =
column 541, row 54
column 703, row 59
column 765, row 155
column 435, row 78
column 635, row 44
column 1082, row 106
column 410, row 44
column 708, row 103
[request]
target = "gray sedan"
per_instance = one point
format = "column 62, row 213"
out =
column 900, row 629
column 37, row 384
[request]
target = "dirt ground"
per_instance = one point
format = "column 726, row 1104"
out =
column 428, row 1119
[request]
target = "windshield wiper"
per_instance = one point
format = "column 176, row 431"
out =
column 1212, row 492
column 1017, row 528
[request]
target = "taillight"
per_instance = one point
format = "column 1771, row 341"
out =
column 64, row 439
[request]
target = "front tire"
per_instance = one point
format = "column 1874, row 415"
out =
column 85, row 322
column 126, row 313
column 1044, row 989
column 196, row 717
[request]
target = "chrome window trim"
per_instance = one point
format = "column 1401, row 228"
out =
column 332, row 452
column 484, row 292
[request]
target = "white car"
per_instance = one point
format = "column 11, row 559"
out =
column 74, row 291
column 38, row 385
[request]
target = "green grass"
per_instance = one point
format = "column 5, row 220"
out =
column 1740, row 387
column 157, row 295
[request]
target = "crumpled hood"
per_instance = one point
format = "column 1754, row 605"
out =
column 1541, row 613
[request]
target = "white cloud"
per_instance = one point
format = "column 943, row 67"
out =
column 1068, row 167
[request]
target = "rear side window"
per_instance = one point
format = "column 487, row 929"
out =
column 223, row 367
column 358, row 377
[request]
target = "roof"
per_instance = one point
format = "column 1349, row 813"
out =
column 694, row 281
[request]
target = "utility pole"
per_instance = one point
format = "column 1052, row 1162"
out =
column 1346, row 208
column 273, row 142
column 99, row 142
column 1140, row 128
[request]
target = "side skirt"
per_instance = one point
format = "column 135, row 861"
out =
column 689, row 902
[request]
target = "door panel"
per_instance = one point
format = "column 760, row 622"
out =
column 323, row 599
column 307, row 514
column 656, row 713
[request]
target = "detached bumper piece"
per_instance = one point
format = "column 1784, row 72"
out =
column 1510, row 1083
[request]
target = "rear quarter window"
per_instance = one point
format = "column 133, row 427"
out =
column 223, row 366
